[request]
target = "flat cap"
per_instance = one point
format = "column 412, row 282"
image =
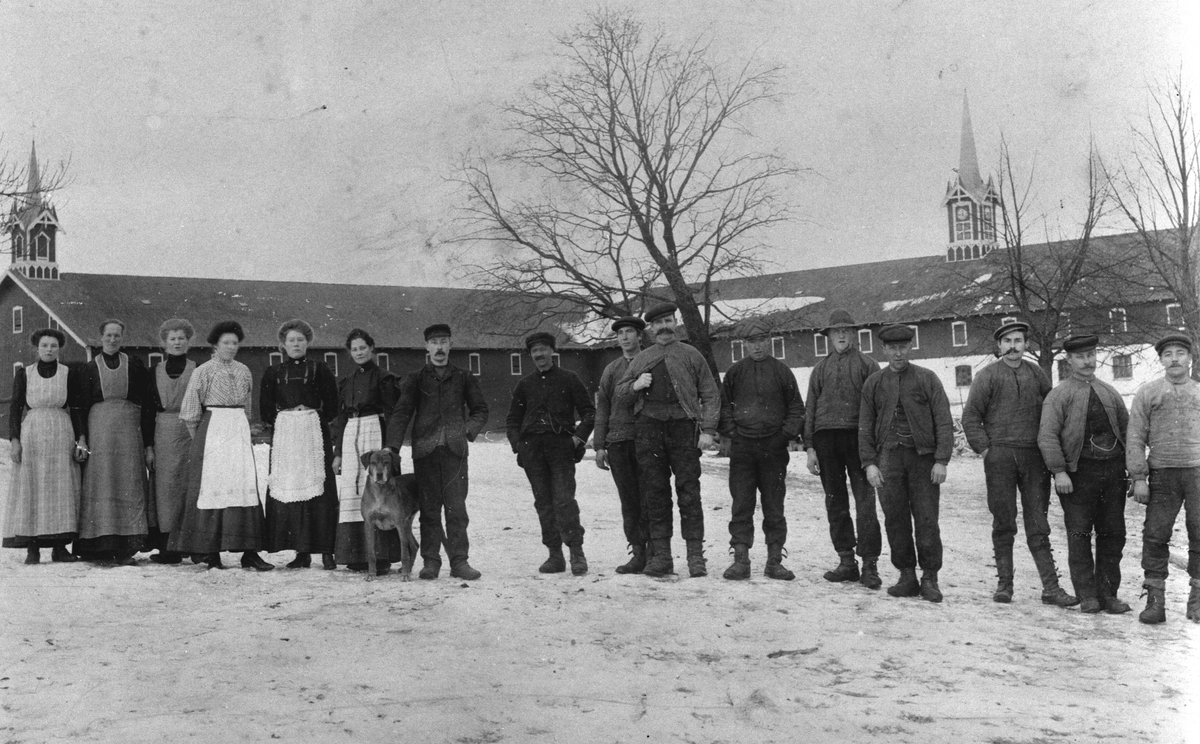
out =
column 656, row 312
column 629, row 321
column 1008, row 328
column 1176, row 339
column 437, row 329
column 1076, row 344
column 540, row 337
column 839, row 318
column 894, row 334
column 755, row 328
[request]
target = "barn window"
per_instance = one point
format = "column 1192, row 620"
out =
column 18, row 319
column 962, row 375
column 737, row 350
column 916, row 342
column 275, row 357
column 1122, row 367
column 331, row 359
column 820, row 344
column 476, row 364
column 958, row 333
column 514, row 364
column 865, row 342
column 384, row 361
column 153, row 358
column 1117, row 321
column 777, row 349
column 1064, row 370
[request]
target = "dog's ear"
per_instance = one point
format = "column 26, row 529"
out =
column 396, row 460
column 365, row 459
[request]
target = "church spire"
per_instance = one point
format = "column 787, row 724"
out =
column 968, row 161
column 972, row 206
column 34, row 190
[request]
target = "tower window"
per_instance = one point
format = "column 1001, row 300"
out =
column 777, row 349
column 475, row 363
column 989, row 223
column 962, row 375
column 18, row 245
column 43, row 245
column 737, row 350
column 865, row 344
column 18, row 319
column 958, row 333
column 963, row 229
column 820, row 345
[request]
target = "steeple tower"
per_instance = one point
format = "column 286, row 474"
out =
column 971, row 205
column 33, row 228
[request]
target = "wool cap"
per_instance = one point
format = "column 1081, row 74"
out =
column 894, row 334
column 656, row 312
column 1008, row 328
column 839, row 318
column 756, row 328
column 1173, row 339
column 437, row 329
column 540, row 337
column 629, row 321
column 1076, row 344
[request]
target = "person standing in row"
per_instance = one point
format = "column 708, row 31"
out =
column 172, row 442
column 298, row 399
column 1082, row 439
column 1165, row 416
column 831, row 436
column 614, row 444
column 366, row 397
column 549, row 421
column 46, row 421
column 114, row 515
column 763, row 414
column 447, row 409
column 906, row 438
column 677, row 406
column 1001, row 419
column 222, row 509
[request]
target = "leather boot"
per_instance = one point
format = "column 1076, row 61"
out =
column 167, row 557
column 697, row 566
column 775, row 568
column 328, row 562
column 431, row 567
column 929, row 587
column 212, row 560
column 1052, row 593
column 33, row 556
column 462, row 570
column 579, row 565
column 907, row 586
column 302, row 560
column 847, row 570
column 870, row 574
column 1004, row 587
column 60, row 554
column 1156, row 602
column 739, row 570
column 553, row 564
column 637, row 563
column 254, row 560
column 1106, row 594
column 1193, row 603
column 661, row 562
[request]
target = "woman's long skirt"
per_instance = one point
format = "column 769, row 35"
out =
column 172, row 447
column 363, row 434
column 42, row 509
column 114, row 516
column 301, row 465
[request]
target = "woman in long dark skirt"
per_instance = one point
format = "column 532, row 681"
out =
column 172, row 440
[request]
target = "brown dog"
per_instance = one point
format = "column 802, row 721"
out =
column 389, row 502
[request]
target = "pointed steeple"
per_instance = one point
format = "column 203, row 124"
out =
column 968, row 161
column 34, row 195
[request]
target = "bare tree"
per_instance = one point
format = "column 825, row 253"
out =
column 1159, row 195
column 632, row 143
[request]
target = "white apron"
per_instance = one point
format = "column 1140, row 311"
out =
column 228, row 478
column 297, row 457
column 363, row 434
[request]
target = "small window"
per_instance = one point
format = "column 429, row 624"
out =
column 865, row 341
column 475, row 363
column 737, row 350
column 1117, row 322
column 556, row 360
column 54, row 326
column 384, row 361
column 916, row 344
column 1064, row 325
column 962, row 375
column 19, row 246
column 958, row 333
column 1122, row 367
column 1175, row 315
column 1007, row 319
column 153, row 358
column 17, row 366
column 777, row 349
column 43, row 245
column 18, row 319
column 275, row 357
column 331, row 358
column 1064, row 370
column 820, row 344
column 514, row 364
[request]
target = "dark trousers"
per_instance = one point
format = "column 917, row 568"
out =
column 549, row 462
column 623, row 464
column 1170, row 489
column 442, row 482
column 837, row 454
column 665, row 448
column 1009, row 470
column 910, row 503
column 1097, row 502
column 758, row 466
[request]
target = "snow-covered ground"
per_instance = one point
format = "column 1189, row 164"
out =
column 180, row 653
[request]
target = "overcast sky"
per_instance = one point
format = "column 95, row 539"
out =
column 313, row 140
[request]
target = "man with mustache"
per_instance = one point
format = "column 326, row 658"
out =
column 1001, row 419
column 549, row 421
column 1082, row 439
column 447, row 409
column 905, row 439
column 1165, row 416
column 677, row 406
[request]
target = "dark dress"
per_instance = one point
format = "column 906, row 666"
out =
column 172, row 443
column 304, row 526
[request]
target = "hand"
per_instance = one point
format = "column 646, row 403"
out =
column 643, row 381
column 81, row 451
column 1141, row 492
column 150, row 458
column 337, row 465
column 814, row 465
column 602, row 459
column 706, row 440
column 874, row 476
column 938, row 475
column 15, row 451
column 1062, row 483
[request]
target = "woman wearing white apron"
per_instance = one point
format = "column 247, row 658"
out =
column 114, row 514
column 46, row 424
column 366, row 397
column 222, row 510
column 298, row 399
column 172, row 441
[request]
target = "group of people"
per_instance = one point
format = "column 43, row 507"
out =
column 167, row 457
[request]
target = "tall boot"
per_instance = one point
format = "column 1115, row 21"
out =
column 1156, row 602
column 775, row 568
column 1004, row 570
column 739, row 570
column 553, row 564
column 1106, row 594
column 929, row 587
column 870, row 574
column 847, row 569
column 1193, row 605
column 1052, row 593
column 907, row 586
column 636, row 563
column 661, row 562
column 579, row 565
column 697, row 566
